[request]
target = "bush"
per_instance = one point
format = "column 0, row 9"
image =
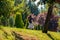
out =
column 11, row 21
column 4, row 21
column 18, row 21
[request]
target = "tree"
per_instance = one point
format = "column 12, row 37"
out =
column 18, row 21
column 48, row 17
column 49, row 14
column 23, row 8
column 6, row 7
column 17, row 2
column 11, row 21
column 25, row 14
column 33, row 8
column 57, row 1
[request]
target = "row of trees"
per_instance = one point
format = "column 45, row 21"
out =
column 9, row 10
column 6, row 7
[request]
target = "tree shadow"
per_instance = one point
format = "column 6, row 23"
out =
column 17, row 36
column 50, row 36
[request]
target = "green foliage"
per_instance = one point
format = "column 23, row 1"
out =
column 50, row 1
column 11, row 21
column 25, row 14
column 17, row 2
column 4, row 21
column 23, row 8
column 6, row 7
column 19, row 7
column 18, row 21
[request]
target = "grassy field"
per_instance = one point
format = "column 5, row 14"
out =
column 8, row 33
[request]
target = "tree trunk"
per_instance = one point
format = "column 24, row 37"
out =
column 50, row 9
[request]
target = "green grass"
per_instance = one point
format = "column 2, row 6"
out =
column 55, row 35
column 26, row 32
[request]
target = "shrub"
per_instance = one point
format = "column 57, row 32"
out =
column 4, row 21
column 18, row 21
column 11, row 21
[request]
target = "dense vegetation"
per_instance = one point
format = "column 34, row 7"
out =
column 14, row 14
column 18, row 22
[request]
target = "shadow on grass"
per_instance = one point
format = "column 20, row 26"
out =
column 17, row 36
column 50, row 36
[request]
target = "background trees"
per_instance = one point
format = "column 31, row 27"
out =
column 33, row 8
column 24, row 9
column 6, row 7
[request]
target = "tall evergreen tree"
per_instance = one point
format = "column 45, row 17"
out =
column 18, row 21
column 33, row 7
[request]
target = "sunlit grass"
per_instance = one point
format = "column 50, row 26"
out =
column 27, row 32
column 55, row 35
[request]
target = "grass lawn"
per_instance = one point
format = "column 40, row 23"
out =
column 8, row 33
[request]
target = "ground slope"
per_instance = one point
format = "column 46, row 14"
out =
column 8, row 33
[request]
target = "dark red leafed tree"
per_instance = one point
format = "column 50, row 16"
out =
column 48, row 17
column 57, row 1
column 49, row 14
